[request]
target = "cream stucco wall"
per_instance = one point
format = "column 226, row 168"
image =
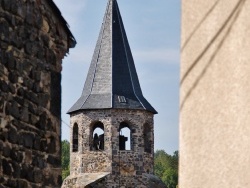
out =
column 215, row 94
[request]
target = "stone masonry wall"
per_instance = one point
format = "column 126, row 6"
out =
column 85, row 160
column 126, row 166
column 129, row 166
column 33, row 42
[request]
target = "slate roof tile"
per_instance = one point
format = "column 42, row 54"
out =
column 112, row 72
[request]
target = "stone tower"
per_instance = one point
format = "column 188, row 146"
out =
column 112, row 100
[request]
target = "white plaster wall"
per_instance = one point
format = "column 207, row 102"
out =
column 215, row 94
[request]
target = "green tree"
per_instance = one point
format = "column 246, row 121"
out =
column 65, row 158
column 166, row 167
column 170, row 178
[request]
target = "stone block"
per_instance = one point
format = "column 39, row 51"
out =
column 15, row 155
column 1, row 66
column 20, row 9
column 2, row 104
column 11, row 62
column 39, row 162
column 19, row 100
column 27, row 172
column 38, row 176
column 43, row 99
column 37, row 76
column 12, row 88
column 33, row 119
column 37, row 88
column 41, row 124
column 24, row 116
column 28, row 140
column 50, row 126
column 27, row 66
column 4, row 30
column 29, row 18
column 12, row 135
column 29, row 48
column 52, row 145
column 45, row 39
column 3, row 135
column 14, row 110
column 11, row 183
column 1, row 145
column 33, row 109
column 30, row 84
column 4, row 86
column 13, row 77
column 45, row 25
column 6, row 166
column 24, row 171
column 22, row 183
column 51, row 57
column 32, row 97
column 4, row 46
column 19, row 66
column 6, row 4
column 1, row 178
column 54, row 161
column 37, row 143
column 28, row 156
column 20, row 92
column 16, row 169
column 30, row 175
column 6, row 151
column 14, row 6
column 43, row 145
column 15, row 40
column 41, row 53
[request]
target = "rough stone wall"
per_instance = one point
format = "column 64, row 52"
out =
column 32, row 45
column 136, row 161
column 85, row 160
column 126, row 167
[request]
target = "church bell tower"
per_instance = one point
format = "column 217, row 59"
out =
column 112, row 102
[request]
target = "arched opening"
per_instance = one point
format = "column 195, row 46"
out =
column 75, row 138
column 147, row 137
column 97, row 137
column 124, row 137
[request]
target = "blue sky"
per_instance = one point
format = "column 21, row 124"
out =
column 153, row 31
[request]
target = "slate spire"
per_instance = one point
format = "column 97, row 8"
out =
column 112, row 81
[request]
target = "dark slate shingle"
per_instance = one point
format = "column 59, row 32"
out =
column 112, row 75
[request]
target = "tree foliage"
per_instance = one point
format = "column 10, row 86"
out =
column 65, row 158
column 166, row 167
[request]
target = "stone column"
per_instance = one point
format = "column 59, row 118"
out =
column 215, row 94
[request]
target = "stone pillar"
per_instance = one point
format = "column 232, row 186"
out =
column 215, row 94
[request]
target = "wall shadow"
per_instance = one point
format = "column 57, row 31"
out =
column 227, row 27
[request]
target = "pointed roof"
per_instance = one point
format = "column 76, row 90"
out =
column 112, row 81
